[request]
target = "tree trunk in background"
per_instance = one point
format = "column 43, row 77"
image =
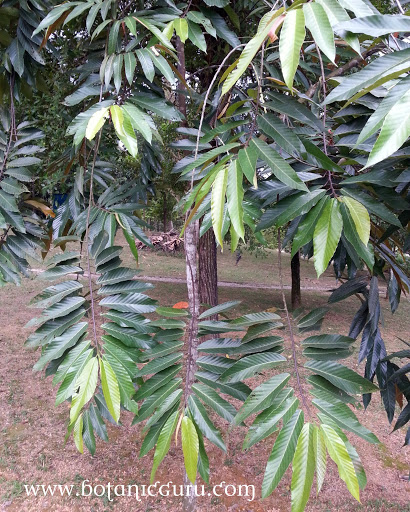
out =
column 165, row 212
column 296, row 297
column 208, row 273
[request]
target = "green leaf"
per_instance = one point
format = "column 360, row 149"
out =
column 85, row 385
column 218, row 203
column 360, row 8
column 247, row 158
column 331, row 354
column 280, row 168
column 282, row 453
column 319, row 448
column 8, row 201
column 345, row 418
column 306, row 227
column 262, row 396
column 327, row 341
column 58, row 310
column 319, row 159
column 294, row 206
column 219, row 308
column 156, row 365
column 291, row 107
column 351, row 450
column 181, row 30
column 207, row 157
column 113, row 37
column 130, row 64
column 237, row 390
column 349, row 231
column 234, row 195
column 162, row 349
column 196, row 36
column 204, row 423
column 375, row 121
column 78, row 434
column 53, row 16
column 324, row 390
column 60, row 344
column 201, row 19
column 285, row 137
column 223, row 408
column 164, row 442
column 266, row 423
column 319, row 26
column 117, row 118
column 394, row 132
column 152, row 28
column 253, row 319
column 164, row 311
column 271, row 21
column 146, row 63
column 162, row 65
column 151, row 438
column 327, row 235
column 303, row 468
column 156, row 400
column 174, row 399
column 96, row 122
column 203, row 460
column 55, row 293
column 249, row 365
column 375, row 25
column 337, row 14
column 338, row 452
column 214, row 364
column 291, row 39
column 374, row 74
column 156, row 381
column 128, row 137
column 88, row 432
column 341, row 376
column 110, row 389
column 360, row 217
column 190, row 447
column 12, row 186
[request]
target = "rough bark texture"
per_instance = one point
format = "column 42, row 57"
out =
column 296, row 296
column 208, row 273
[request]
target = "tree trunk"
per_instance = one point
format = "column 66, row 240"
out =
column 296, row 297
column 208, row 273
column 165, row 212
column 191, row 258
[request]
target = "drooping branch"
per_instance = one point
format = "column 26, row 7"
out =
column 90, row 202
column 354, row 63
column 291, row 335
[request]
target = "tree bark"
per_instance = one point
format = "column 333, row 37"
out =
column 191, row 237
column 191, row 258
column 165, row 212
column 296, row 296
column 208, row 273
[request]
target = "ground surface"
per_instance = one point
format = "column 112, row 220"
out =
column 32, row 429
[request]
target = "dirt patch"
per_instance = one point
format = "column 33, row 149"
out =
column 32, row 429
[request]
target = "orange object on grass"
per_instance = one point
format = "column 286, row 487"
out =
column 181, row 305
